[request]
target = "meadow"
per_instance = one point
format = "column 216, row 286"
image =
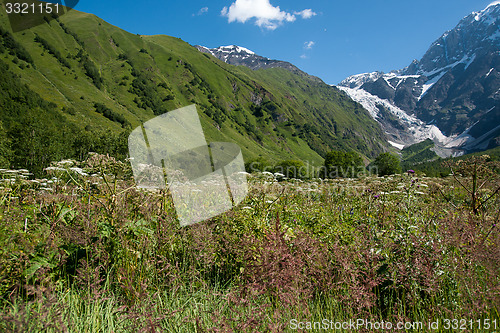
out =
column 84, row 250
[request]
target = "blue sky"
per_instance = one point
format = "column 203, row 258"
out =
column 330, row 39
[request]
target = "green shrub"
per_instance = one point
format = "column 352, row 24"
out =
column 342, row 164
column 52, row 51
column 387, row 164
column 292, row 169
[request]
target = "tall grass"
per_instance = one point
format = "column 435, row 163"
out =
column 85, row 251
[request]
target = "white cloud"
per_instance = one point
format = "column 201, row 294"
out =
column 303, row 56
column 309, row 45
column 306, row 13
column 266, row 15
column 201, row 11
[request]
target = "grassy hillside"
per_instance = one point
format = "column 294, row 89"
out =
column 98, row 78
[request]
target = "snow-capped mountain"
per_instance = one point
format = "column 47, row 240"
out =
column 453, row 91
column 240, row 56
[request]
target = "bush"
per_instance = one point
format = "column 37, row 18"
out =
column 90, row 69
column 292, row 169
column 148, row 93
column 110, row 114
column 343, row 164
column 387, row 164
column 258, row 164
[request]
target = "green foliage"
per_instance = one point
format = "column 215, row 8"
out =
column 144, row 88
column 111, row 115
column 342, row 164
column 34, row 132
column 96, row 254
column 91, row 70
column 300, row 117
column 387, row 164
column 72, row 34
column 256, row 110
column 52, row 50
column 418, row 153
column 416, row 148
column 288, row 168
column 473, row 173
column 434, row 168
column 440, row 167
column 259, row 164
column 92, row 252
column 39, row 139
column 15, row 48
column 292, row 169
column 5, row 148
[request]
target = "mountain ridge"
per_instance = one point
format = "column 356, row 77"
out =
column 241, row 56
column 455, row 86
column 100, row 78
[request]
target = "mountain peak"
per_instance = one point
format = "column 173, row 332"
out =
column 231, row 54
column 454, row 86
column 478, row 32
column 494, row 3
column 357, row 80
column 235, row 48
column 241, row 56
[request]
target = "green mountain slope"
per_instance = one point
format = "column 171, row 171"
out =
column 419, row 152
column 100, row 82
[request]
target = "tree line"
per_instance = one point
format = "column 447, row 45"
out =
column 33, row 132
column 343, row 164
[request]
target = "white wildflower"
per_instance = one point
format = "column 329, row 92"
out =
column 65, row 163
column 79, row 171
column 54, row 169
column 11, row 171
